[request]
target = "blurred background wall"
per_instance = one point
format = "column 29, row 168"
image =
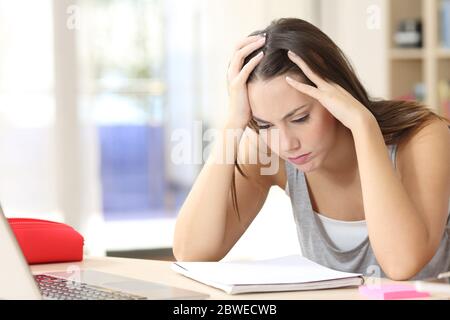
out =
column 93, row 92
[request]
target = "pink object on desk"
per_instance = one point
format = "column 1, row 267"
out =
column 391, row 292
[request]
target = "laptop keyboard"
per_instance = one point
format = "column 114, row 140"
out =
column 62, row 289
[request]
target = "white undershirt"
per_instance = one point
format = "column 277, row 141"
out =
column 345, row 235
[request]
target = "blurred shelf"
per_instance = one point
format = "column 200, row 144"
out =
column 443, row 53
column 412, row 68
column 406, row 54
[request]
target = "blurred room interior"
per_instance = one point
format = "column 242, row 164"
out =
column 91, row 92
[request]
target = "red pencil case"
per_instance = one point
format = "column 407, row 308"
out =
column 45, row 241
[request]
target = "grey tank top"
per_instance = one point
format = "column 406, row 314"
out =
column 317, row 246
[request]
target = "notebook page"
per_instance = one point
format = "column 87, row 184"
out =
column 287, row 269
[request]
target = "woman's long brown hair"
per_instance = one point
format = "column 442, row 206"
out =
column 397, row 119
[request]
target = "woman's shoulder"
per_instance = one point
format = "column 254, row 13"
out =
column 435, row 134
column 435, row 129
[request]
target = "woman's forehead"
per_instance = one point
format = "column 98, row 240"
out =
column 271, row 98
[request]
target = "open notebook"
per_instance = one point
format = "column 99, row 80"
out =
column 288, row 273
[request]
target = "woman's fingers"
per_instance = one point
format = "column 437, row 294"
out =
column 246, row 41
column 342, row 90
column 240, row 55
column 248, row 68
column 306, row 89
column 306, row 70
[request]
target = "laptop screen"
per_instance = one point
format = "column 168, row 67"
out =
column 16, row 280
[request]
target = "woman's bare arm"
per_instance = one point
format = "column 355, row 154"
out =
column 207, row 226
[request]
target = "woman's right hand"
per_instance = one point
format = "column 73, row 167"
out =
column 240, row 112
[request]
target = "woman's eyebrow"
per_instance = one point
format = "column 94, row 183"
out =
column 286, row 116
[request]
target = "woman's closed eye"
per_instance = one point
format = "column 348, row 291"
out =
column 303, row 119
column 298, row 120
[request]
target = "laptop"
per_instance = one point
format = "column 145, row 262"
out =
column 18, row 283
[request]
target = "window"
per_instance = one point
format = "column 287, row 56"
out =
column 123, row 61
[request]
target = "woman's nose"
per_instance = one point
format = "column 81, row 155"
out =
column 288, row 141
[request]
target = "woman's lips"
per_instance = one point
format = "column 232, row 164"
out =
column 300, row 160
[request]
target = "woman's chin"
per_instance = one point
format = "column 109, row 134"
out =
column 306, row 167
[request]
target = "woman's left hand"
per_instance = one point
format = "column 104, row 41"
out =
column 341, row 104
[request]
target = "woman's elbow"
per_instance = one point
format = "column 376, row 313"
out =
column 181, row 255
column 176, row 254
column 402, row 271
column 400, row 275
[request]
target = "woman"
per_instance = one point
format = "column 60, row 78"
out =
column 369, row 180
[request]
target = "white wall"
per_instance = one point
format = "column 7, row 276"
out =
column 273, row 233
column 359, row 28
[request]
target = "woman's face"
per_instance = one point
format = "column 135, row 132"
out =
column 311, row 129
